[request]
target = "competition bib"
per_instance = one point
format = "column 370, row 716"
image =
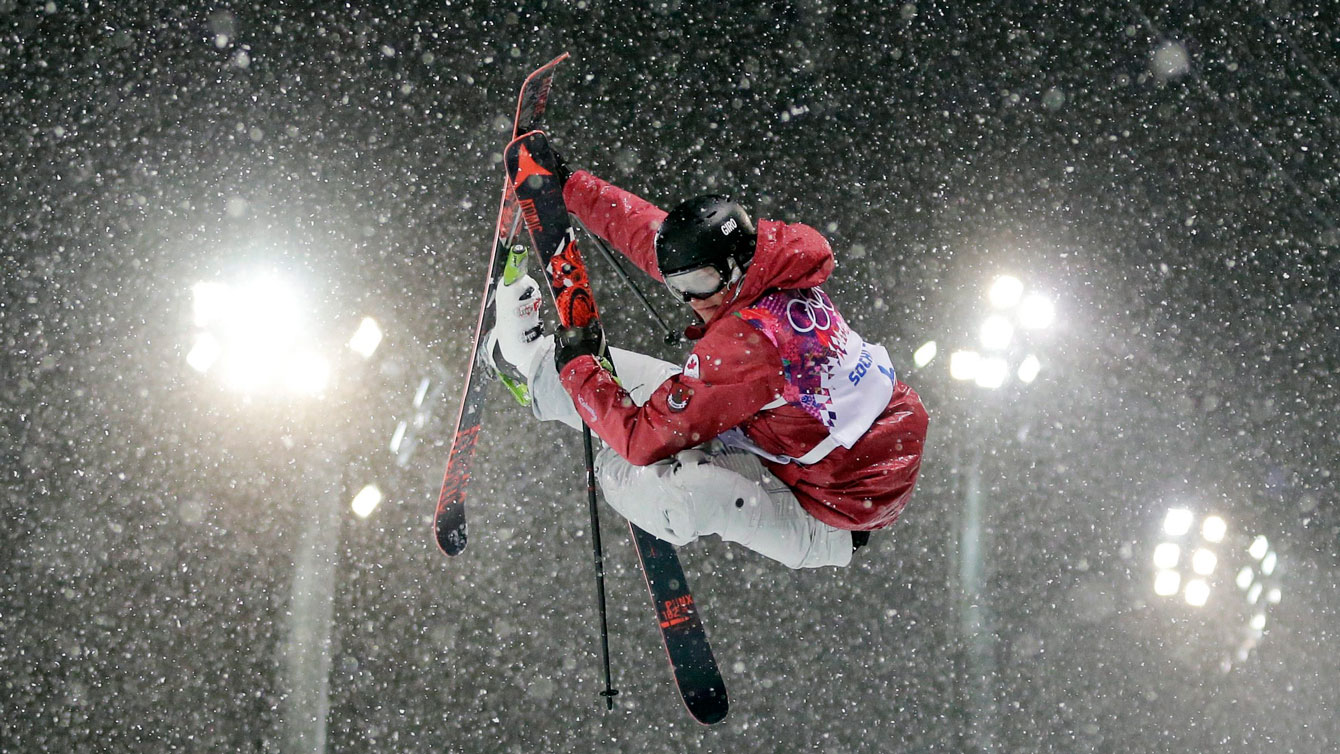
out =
column 831, row 372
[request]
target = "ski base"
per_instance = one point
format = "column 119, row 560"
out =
column 691, row 660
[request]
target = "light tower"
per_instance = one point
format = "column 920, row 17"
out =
column 1226, row 578
column 255, row 336
column 1000, row 356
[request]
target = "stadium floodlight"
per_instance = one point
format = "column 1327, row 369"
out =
column 1178, row 522
column 1197, row 592
column 367, row 500
column 1213, row 529
column 1001, row 346
column 1005, row 292
column 251, row 333
column 1029, row 369
column 992, row 373
column 1200, row 558
column 963, row 365
column 998, row 336
column 1203, row 562
column 1260, row 546
column 1166, row 555
column 925, row 354
column 205, row 352
column 366, row 338
column 996, row 333
column 210, row 302
column 307, row 373
column 1036, row 312
column 1167, row 583
column 1268, row 563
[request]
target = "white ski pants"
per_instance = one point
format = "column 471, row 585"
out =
column 710, row 489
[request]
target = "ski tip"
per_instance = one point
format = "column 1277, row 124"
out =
column 711, row 710
column 450, row 536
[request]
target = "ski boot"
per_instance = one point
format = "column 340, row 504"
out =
column 515, row 342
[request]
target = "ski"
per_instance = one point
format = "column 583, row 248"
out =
column 682, row 631
column 449, row 526
column 531, row 166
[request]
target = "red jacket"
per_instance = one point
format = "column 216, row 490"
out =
column 739, row 372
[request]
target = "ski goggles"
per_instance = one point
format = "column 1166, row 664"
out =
column 696, row 284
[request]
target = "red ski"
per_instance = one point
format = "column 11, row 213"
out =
column 449, row 526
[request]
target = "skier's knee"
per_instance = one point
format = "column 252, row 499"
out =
column 644, row 496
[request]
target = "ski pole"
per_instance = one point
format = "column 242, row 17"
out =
column 609, row 691
column 671, row 336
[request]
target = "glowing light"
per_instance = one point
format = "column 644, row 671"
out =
column 251, row 335
column 1036, row 312
column 366, row 338
column 1259, row 621
column 307, row 374
column 246, row 367
column 1274, row 596
column 1245, row 577
column 1260, row 546
column 1197, row 592
column 1203, row 562
column 1214, row 529
column 1167, row 583
column 1029, row 369
column 367, row 500
column 1268, row 563
column 1177, row 522
column 925, row 354
column 204, row 353
column 1254, row 593
column 1166, row 555
column 210, row 302
column 996, row 333
column 1005, row 292
column 992, row 373
column 264, row 314
column 963, row 365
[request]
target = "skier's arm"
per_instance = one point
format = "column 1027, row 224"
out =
column 626, row 220
column 685, row 410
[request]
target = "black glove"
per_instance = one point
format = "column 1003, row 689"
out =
column 569, row 343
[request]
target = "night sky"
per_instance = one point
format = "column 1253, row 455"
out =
column 1163, row 173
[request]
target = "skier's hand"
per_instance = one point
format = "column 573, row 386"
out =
column 570, row 343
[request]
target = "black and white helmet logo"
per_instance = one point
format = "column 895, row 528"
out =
column 729, row 226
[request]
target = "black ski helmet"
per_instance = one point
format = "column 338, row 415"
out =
column 709, row 230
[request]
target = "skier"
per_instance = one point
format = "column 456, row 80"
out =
column 784, row 431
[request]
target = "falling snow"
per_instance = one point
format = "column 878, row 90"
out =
column 1162, row 175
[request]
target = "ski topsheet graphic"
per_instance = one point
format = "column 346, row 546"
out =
column 531, row 166
column 449, row 525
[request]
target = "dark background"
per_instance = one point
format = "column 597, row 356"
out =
column 1182, row 220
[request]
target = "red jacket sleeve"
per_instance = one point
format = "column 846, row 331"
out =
column 739, row 372
column 620, row 217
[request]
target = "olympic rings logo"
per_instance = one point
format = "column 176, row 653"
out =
column 811, row 305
